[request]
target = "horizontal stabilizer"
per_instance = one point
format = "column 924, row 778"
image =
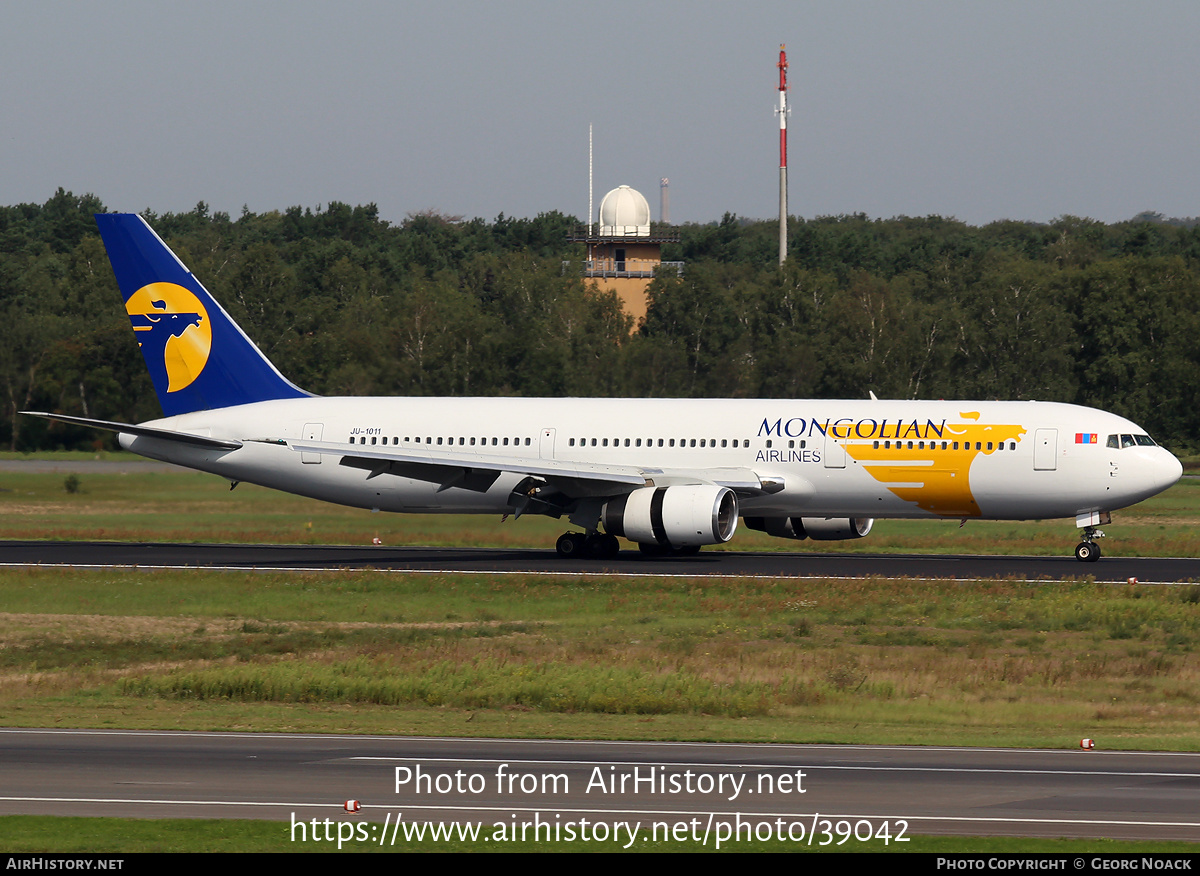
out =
column 142, row 431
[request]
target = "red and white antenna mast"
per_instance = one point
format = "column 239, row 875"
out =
column 783, row 114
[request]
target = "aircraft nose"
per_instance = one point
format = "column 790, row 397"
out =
column 1168, row 470
column 1145, row 472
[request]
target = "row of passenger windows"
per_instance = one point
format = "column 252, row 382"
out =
column 460, row 442
column 658, row 442
column 945, row 445
column 1127, row 441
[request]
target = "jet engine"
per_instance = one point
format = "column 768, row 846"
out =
column 673, row 517
column 816, row 528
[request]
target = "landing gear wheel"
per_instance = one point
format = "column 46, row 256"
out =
column 570, row 544
column 603, row 546
column 1087, row 552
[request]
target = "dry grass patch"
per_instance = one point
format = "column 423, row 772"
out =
column 876, row 660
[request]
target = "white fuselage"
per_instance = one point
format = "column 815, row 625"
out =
column 878, row 459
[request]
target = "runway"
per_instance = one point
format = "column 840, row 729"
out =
column 707, row 564
column 296, row 777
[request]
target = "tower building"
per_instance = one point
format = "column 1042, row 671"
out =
column 623, row 251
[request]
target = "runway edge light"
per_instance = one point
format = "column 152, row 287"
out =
column 1087, row 744
column 352, row 806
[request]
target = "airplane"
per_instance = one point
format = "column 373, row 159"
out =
column 671, row 475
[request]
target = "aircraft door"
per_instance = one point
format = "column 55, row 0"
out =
column 546, row 448
column 312, row 432
column 1045, row 450
column 835, row 451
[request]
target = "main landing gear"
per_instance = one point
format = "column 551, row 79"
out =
column 603, row 546
column 1087, row 551
column 596, row 545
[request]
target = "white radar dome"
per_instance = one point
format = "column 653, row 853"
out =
column 624, row 213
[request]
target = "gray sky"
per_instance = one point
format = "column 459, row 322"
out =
column 983, row 111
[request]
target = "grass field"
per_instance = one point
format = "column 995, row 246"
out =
column 1000, row 663
column 996, row 663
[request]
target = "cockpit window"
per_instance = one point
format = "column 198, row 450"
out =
column 1123, row 441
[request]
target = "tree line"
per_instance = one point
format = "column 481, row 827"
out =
column 346, row 303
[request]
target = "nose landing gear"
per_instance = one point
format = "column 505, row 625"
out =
column 1087, row 551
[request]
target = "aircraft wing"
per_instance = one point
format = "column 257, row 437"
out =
column 478, row 471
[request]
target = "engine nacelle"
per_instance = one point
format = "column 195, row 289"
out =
column 674, row 517
column 816, row 528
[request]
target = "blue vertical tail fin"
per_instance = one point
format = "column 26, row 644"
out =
column 199, row 358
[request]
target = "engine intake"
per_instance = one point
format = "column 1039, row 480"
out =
column 816, row 528
column 674, row 517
